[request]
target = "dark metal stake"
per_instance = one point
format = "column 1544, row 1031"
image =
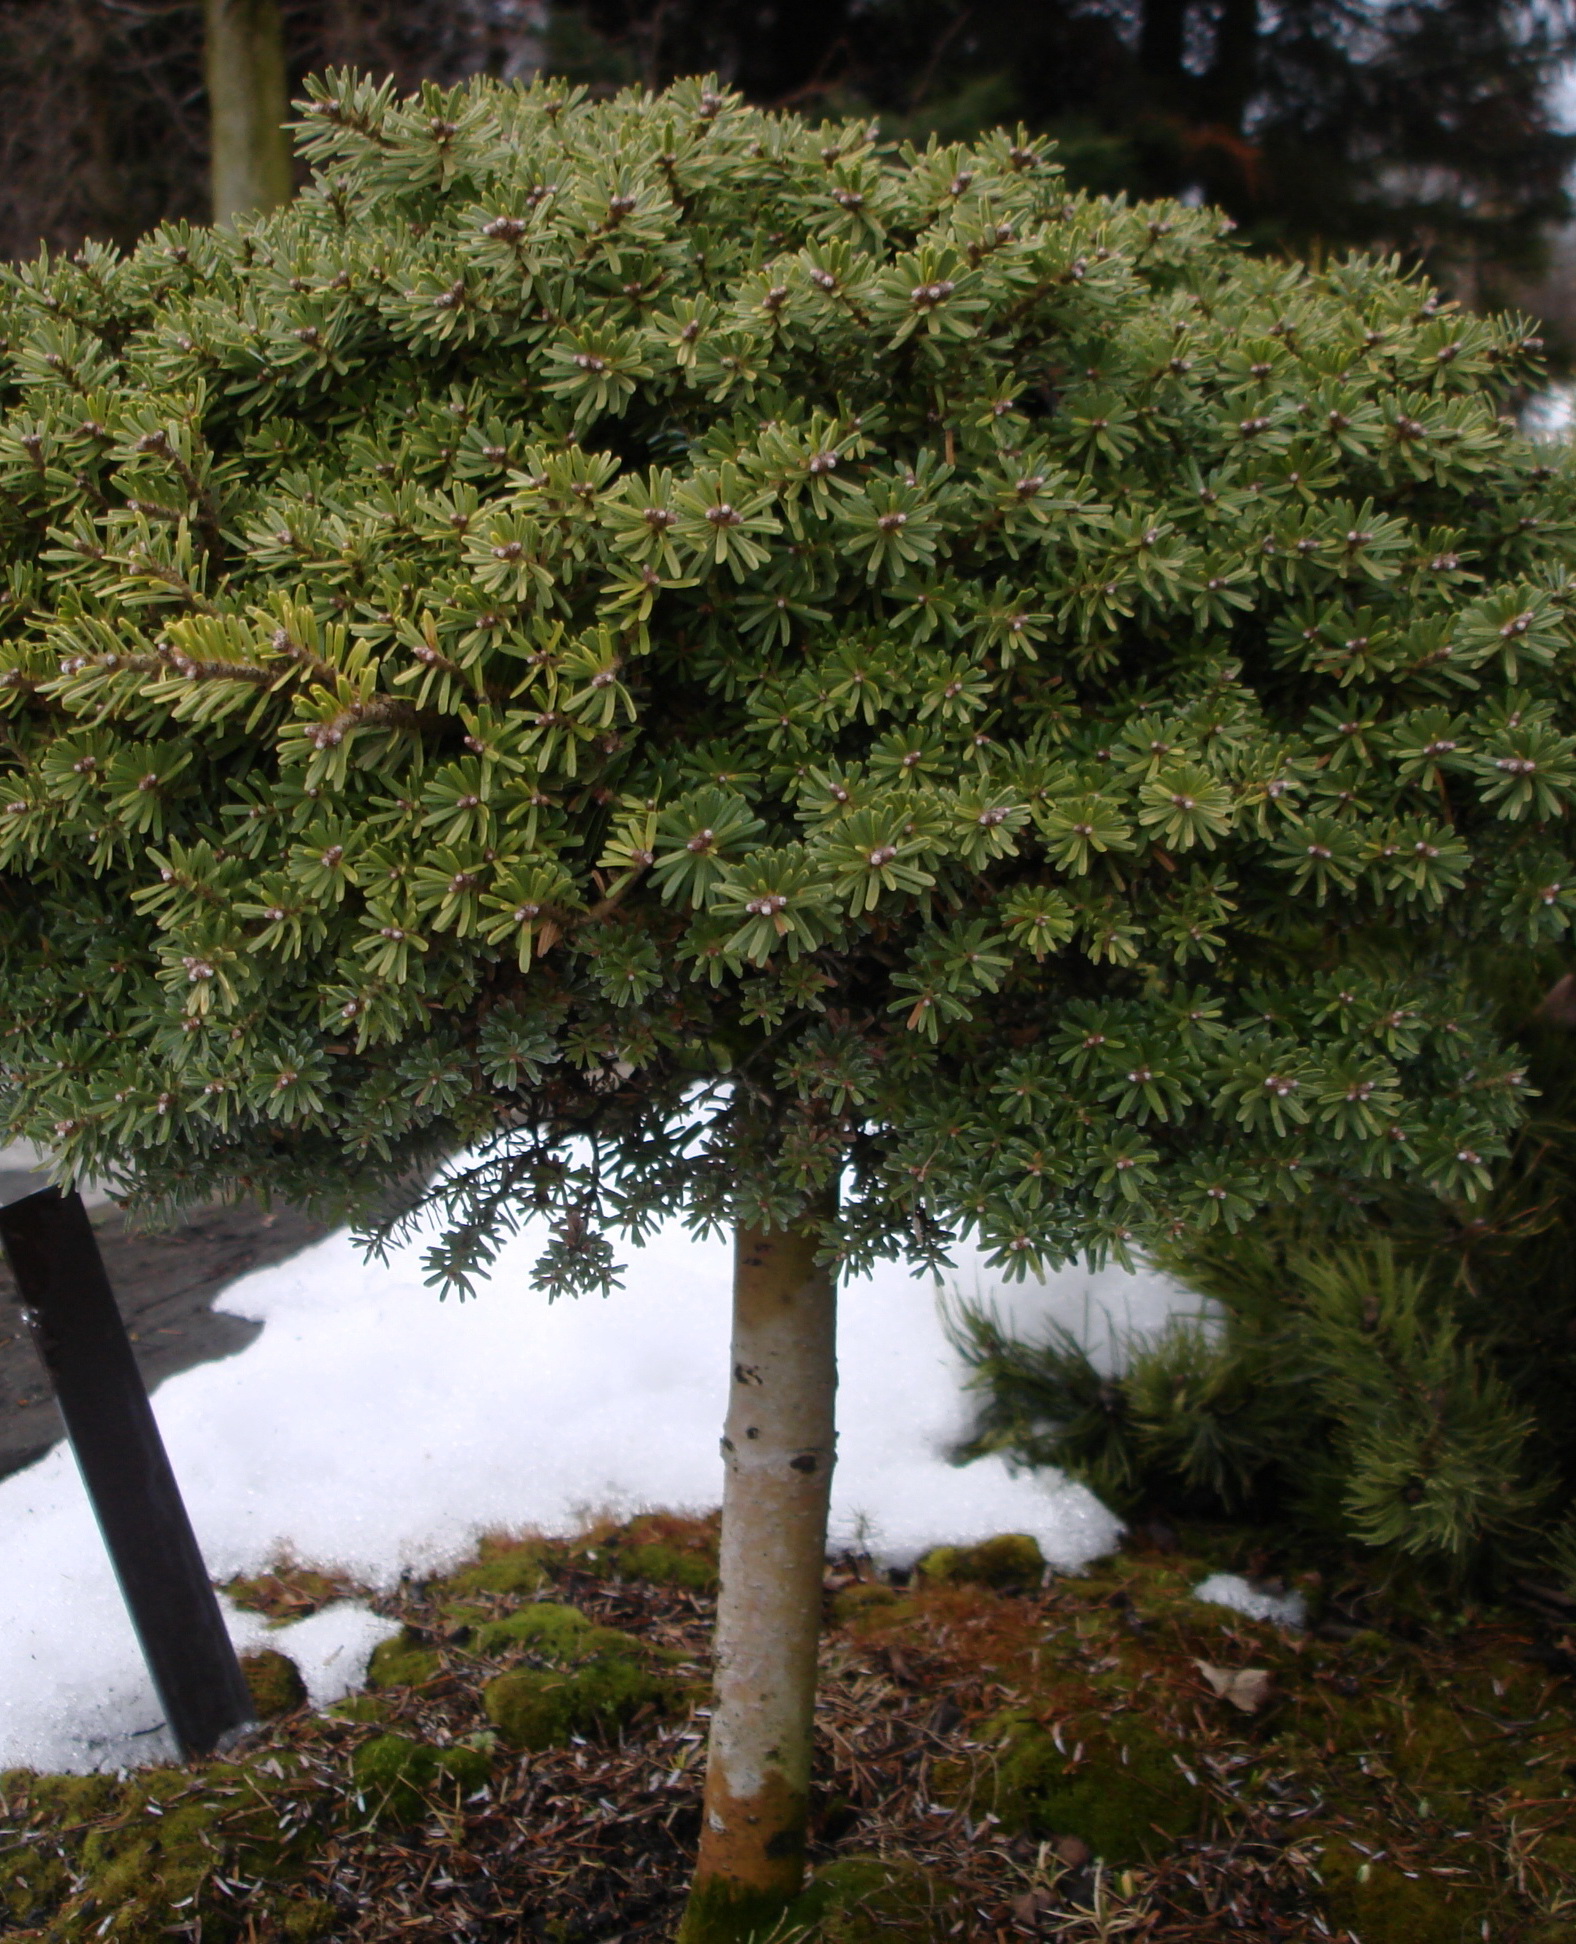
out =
column 71, row 1311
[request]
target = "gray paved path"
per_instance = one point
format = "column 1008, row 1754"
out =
column 164, row 1284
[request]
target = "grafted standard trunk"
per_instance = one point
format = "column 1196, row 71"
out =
column 244, row 64
column 778, row 1449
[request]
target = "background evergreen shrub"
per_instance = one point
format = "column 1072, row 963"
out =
column 1392, row 1376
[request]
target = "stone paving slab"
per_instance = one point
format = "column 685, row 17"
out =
column 164, row 1284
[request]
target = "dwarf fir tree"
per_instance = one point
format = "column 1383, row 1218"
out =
column 727, row 672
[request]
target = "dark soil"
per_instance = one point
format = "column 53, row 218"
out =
column 165, row 1283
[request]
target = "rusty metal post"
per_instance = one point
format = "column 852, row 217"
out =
column 71, row 1312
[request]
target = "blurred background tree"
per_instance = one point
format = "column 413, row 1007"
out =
column 1424, row 126
column 250, row 164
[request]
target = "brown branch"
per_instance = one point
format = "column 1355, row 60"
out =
column 387, row 711
column 284, row 643
column 158, row 443
column 215, row 671
column 140, row 561
column 605, row 907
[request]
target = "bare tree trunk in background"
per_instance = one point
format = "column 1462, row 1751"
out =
column 778, row 1450
column 244, row 60
column 100, row 178
column 1162, row 37
column 1227, row 87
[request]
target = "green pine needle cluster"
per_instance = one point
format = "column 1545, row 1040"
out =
column 1339, row 1393
column 1393, row 1377
column 694, row 656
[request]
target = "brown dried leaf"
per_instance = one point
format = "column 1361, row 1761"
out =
column 1247, row 1688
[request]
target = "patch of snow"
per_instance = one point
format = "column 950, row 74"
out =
column 373, row 1430
column 1229, row 1590
column 1547, row 416
column 1108, row 1310
column 330, row 1647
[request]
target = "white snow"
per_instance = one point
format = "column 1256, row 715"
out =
column 1547, row 416
column 374, row 1430
column 1230, row 1590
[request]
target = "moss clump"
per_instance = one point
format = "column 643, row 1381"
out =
column 534, row 1707
column 404, row 1661
column 558, row 1632
column 853, row 1601
column 669, row 1566
column 593, row 1678
column 1010, row 1563
column 124, row 1856
column 397, row 1777
column 305, row 1919
column 35, row 1879
column 871, row 1900
column 505, row 1566
column 361, row 1707
column 1124, row 1809
column 659, row 1547
column 289, row 1592
column 274, row 1682
column 1382, row 1905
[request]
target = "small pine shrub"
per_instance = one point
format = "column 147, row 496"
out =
column 1339, row 1390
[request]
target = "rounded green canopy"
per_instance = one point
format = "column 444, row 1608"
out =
column 694, row 656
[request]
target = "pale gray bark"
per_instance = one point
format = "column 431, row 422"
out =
column 244, row 60
column 778, row 1450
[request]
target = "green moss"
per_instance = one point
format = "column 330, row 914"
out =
column 719, row 1912
column 398, row 1777
column 305, row 1919
column 668, row 1551
column 534, row 1707
column 1421, row 1738
column 37, row 1878
column 64, row 1800
column 1433, row 1750
column 1124, row 1809
column 1385, row 1906
column 402, row 1662
column 274, row 1682
column 126, row 1855
column 1011, row 1562
column 1556, row 1856
column 517, row 1569
column 669, row 1566
column 871, row 1900
column 853, row 1601
column 360, row 1707
column 544, row 1627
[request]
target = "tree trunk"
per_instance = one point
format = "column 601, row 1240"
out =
column 1162, row 39
column 244, row 61
column 778, row 1449
column 98, row 177
column 1226, row 89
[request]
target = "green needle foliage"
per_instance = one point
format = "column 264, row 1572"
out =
column 692, row 657
column 1392, row 1377
column 1340, row 1394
